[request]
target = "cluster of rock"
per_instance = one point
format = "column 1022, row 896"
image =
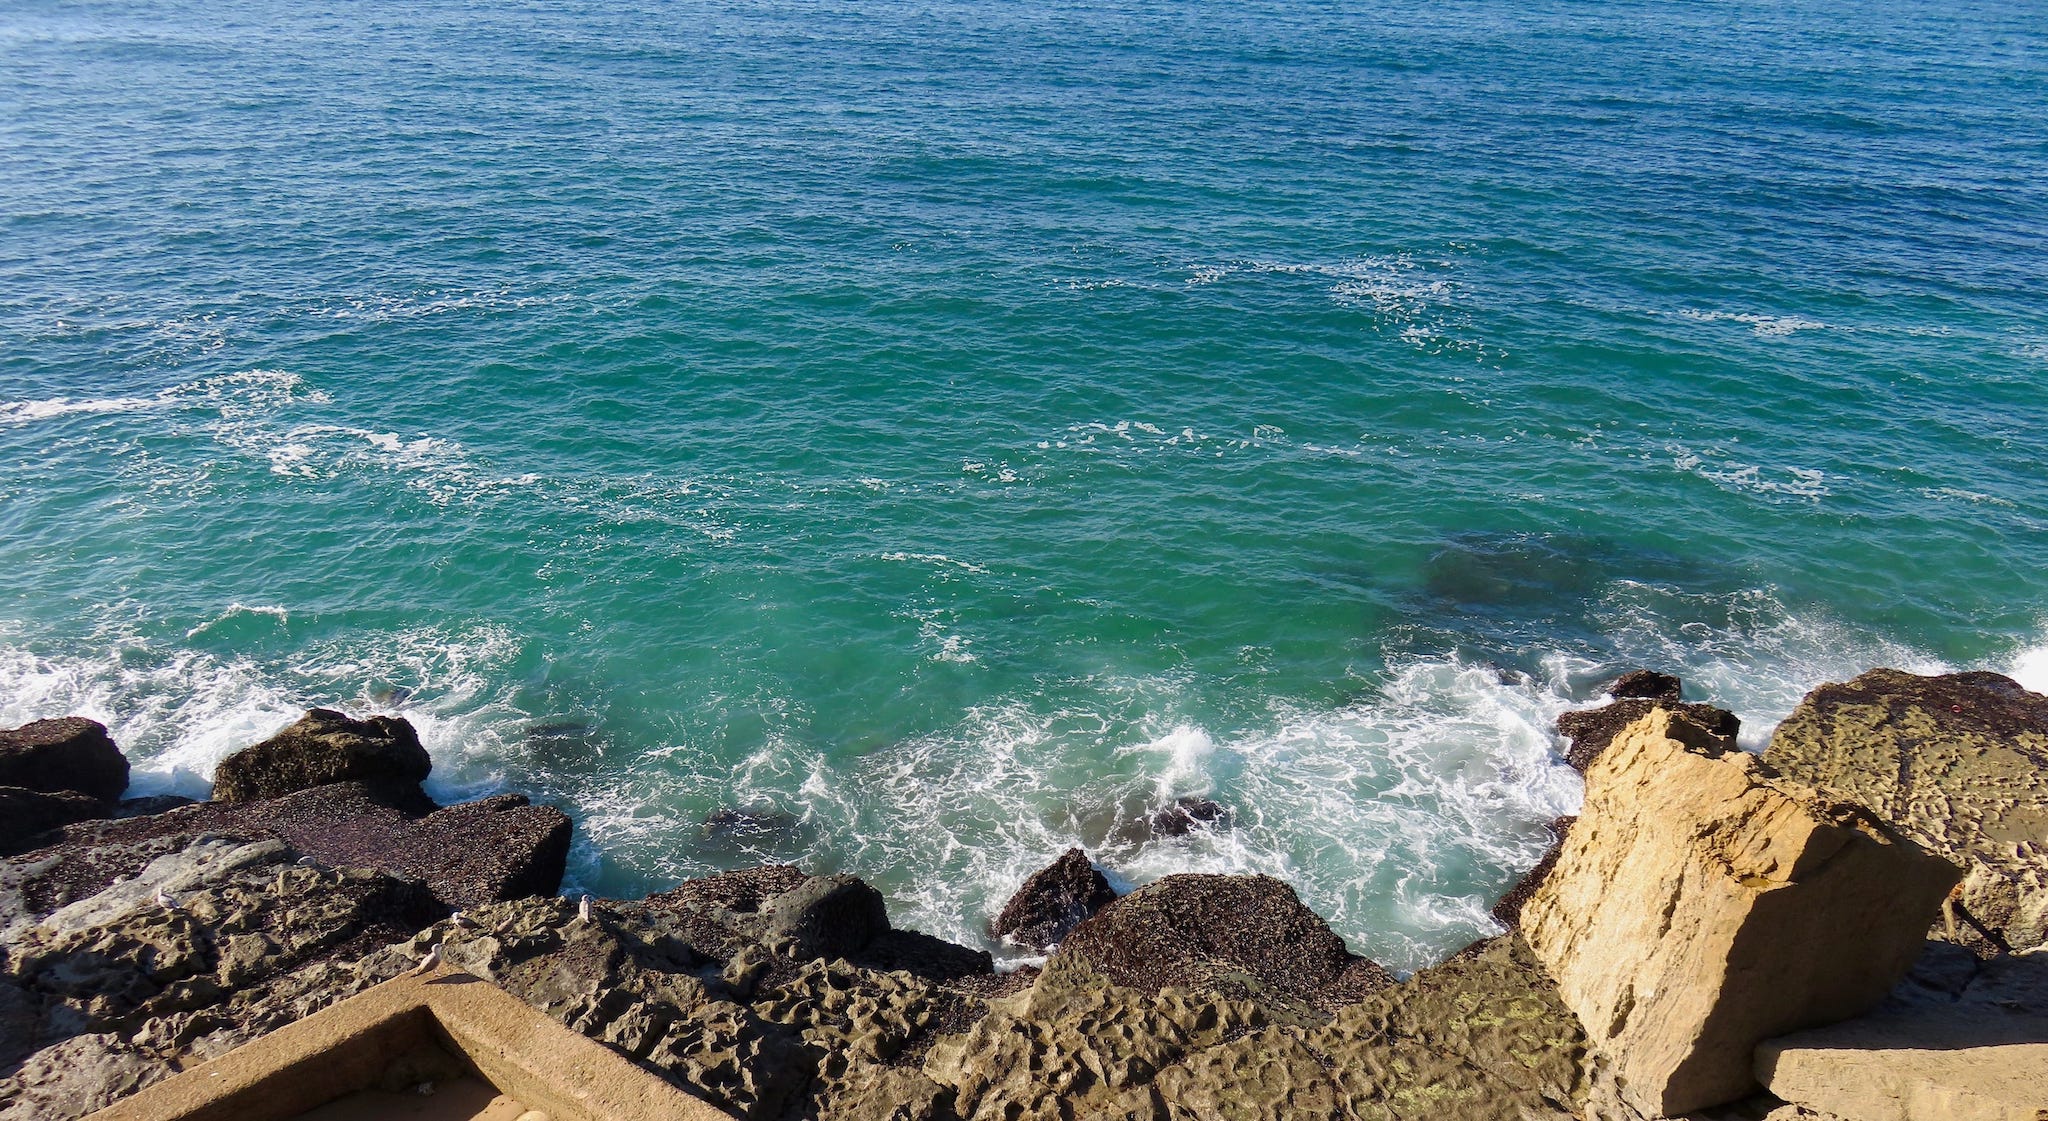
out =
column 1696, row 935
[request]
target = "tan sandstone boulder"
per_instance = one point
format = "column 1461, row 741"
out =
column 1698, row 907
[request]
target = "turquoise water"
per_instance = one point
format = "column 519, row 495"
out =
column 962, row 428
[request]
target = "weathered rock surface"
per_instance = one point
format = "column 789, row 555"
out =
column 111, row 991
column 1481, row 1037
column 1242, row 936
column 326, row 747
column 25, row 815
column 71, row 753
column 493, row 849
column 1588, row 731
column 1077, row 1045
column 1698, row 907
column 1960, row 762
column 1053, row 901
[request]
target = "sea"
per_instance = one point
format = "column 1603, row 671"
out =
column 912, row 437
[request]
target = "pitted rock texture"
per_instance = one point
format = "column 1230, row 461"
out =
column 492, row 849
column 1053, row 901
column 1589, row 730
column 1244, row 936
column 1077, row 1045
column 326, row 747
column 1698, row 907
column 71, row 753
column 1958, row 761
column 1478, row 1039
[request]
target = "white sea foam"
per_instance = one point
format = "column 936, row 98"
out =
column 939, row 559
column 2030, row 668
column 22, row 412
column 1714, row 466
column 176, row 712
column 235, row 610
column 1768, row 326
column 1398, row 815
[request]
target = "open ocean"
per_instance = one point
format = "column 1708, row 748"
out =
column 949, row 431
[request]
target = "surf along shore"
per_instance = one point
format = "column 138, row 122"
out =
column 1853, row 924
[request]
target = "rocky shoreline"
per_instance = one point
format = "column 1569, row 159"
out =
column 1808, row 888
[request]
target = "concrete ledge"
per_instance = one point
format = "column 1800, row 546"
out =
column 347, row 1047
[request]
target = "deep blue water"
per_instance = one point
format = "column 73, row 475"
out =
column 962, row 428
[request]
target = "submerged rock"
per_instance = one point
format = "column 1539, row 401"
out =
column 1959, row 761
column 70, row 754
column 1644, row 684
column 1053, row 901
column 1188, row 813
column 1234, row 935
column 326, row 747
column 1698, row 907
column 1590, row 730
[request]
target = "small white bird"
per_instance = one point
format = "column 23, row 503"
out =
column 460, row 921
column 430, row 962
column 308, row 862
column 583, row 908
column 164, row 900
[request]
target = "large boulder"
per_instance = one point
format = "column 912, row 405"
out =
column 325, row 747
column 1053, row 901
column 71, row 754
column 1698, row 907
column 1960, row 762
column 1588, row 731
column 1237, row 935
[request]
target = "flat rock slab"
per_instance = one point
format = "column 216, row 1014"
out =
column 1955, row 1064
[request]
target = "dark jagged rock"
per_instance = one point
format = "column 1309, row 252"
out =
column 327, row 747
column 1959, row 762
column 1053, row 901
column 1590, row 730
column 25, row 815
column 1644, row 684
column 1508, row 912
column 476, row 852
column 1188, row 813
column 1238, row 935
column 825, row 917
column 71, row 753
